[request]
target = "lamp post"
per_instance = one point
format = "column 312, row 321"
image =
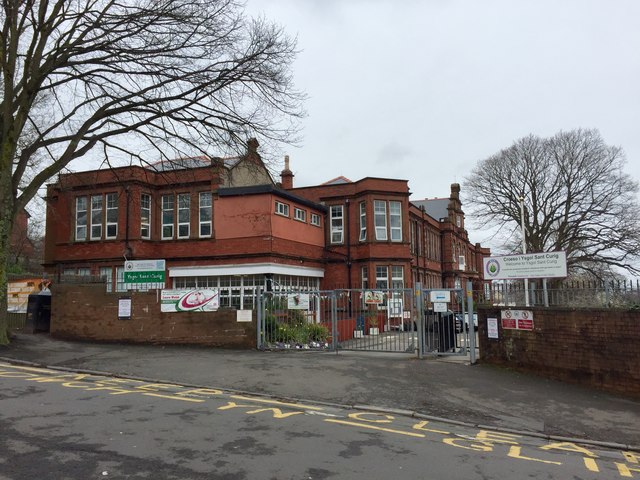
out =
column 524, row 248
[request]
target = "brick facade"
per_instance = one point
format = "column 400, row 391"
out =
column 224, row 224
column 87, row 312
column 599, row 348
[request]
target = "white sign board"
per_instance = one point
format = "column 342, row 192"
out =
column 439, row 307
column 298, row 301
column 440, row 296
column 530, row 265
column 124, row 308
column 373, row 297
column 492, row 327
column 243, row 315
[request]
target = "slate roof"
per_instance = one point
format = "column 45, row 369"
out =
column 191, row 162
column 434, row 207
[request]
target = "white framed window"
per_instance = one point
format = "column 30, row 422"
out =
column 382, row 277
column 380, row 217
column 397, row 277
column 111, row 229
column 205, row 215
column 81, row 218
column 120, row 285
column 107, row 275
column 168, row 216
column 395, row 221
column 145, row 215
column 365, row 278
column 315, row 219
column 96, row 217
column 282, row 209
column 363, row 221
column 184, row 215
column 300, row 215
column 337, row 224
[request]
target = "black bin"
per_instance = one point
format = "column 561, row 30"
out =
column 446, row 333
column 39, row 312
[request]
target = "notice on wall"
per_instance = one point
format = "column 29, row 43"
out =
column 517, row 319
column 492, row 327
column 124, row 308
column 243, row 315
column 205, row 300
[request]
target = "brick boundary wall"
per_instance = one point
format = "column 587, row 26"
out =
column 598, row 348
column 88, row 312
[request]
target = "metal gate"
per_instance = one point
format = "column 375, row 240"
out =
column 369, row 320
column 448, row 328
column 400, row 321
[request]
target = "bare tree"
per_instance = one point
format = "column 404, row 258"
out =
column 576, row 196
column 132, row 80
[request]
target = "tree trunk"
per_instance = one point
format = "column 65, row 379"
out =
column 7, row 205
column 5, row 228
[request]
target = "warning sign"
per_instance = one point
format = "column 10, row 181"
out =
column 517, row 319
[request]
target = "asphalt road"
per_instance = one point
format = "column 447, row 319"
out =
column 66, row 425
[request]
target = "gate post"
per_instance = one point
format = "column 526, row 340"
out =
column 419, row 306
column 334, row 322
column 260, row 306
column 472, row 328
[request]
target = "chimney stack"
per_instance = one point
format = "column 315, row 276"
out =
column 286, row 176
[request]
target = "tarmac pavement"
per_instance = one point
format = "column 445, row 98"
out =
column 446, row 389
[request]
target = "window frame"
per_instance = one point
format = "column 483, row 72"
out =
column 282, row 209
column 336, row 229
column 397, row 229
column 99, row 211
column 146, row 224
column 363, row 222
column 169, row 210
column 78, row 224
column 184, row 210
column 315, row 219
column 380, row 215
column 110, row 200
column 202, row 208
column 300, row 214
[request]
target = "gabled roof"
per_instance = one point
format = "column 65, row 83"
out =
column 337, row 181
column 434, row 207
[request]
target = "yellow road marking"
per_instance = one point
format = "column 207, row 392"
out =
column 515, row 452
column 373, row 427
column 276, row 402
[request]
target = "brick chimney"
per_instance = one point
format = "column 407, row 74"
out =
column 286, row 176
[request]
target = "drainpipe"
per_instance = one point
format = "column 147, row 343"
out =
column 349, row 283
column 127, row 248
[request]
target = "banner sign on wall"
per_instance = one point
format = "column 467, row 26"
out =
column 204, row 300
column 530, row 265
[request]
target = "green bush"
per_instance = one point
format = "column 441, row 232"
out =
column 316, row 332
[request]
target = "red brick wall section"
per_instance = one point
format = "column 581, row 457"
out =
column 87, row 312
column 599, row 348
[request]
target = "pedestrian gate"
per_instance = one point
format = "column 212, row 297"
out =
column 400, row 321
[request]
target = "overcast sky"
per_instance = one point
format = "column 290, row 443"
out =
column 424, row 89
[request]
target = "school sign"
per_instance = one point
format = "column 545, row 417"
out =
column 530, row 265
